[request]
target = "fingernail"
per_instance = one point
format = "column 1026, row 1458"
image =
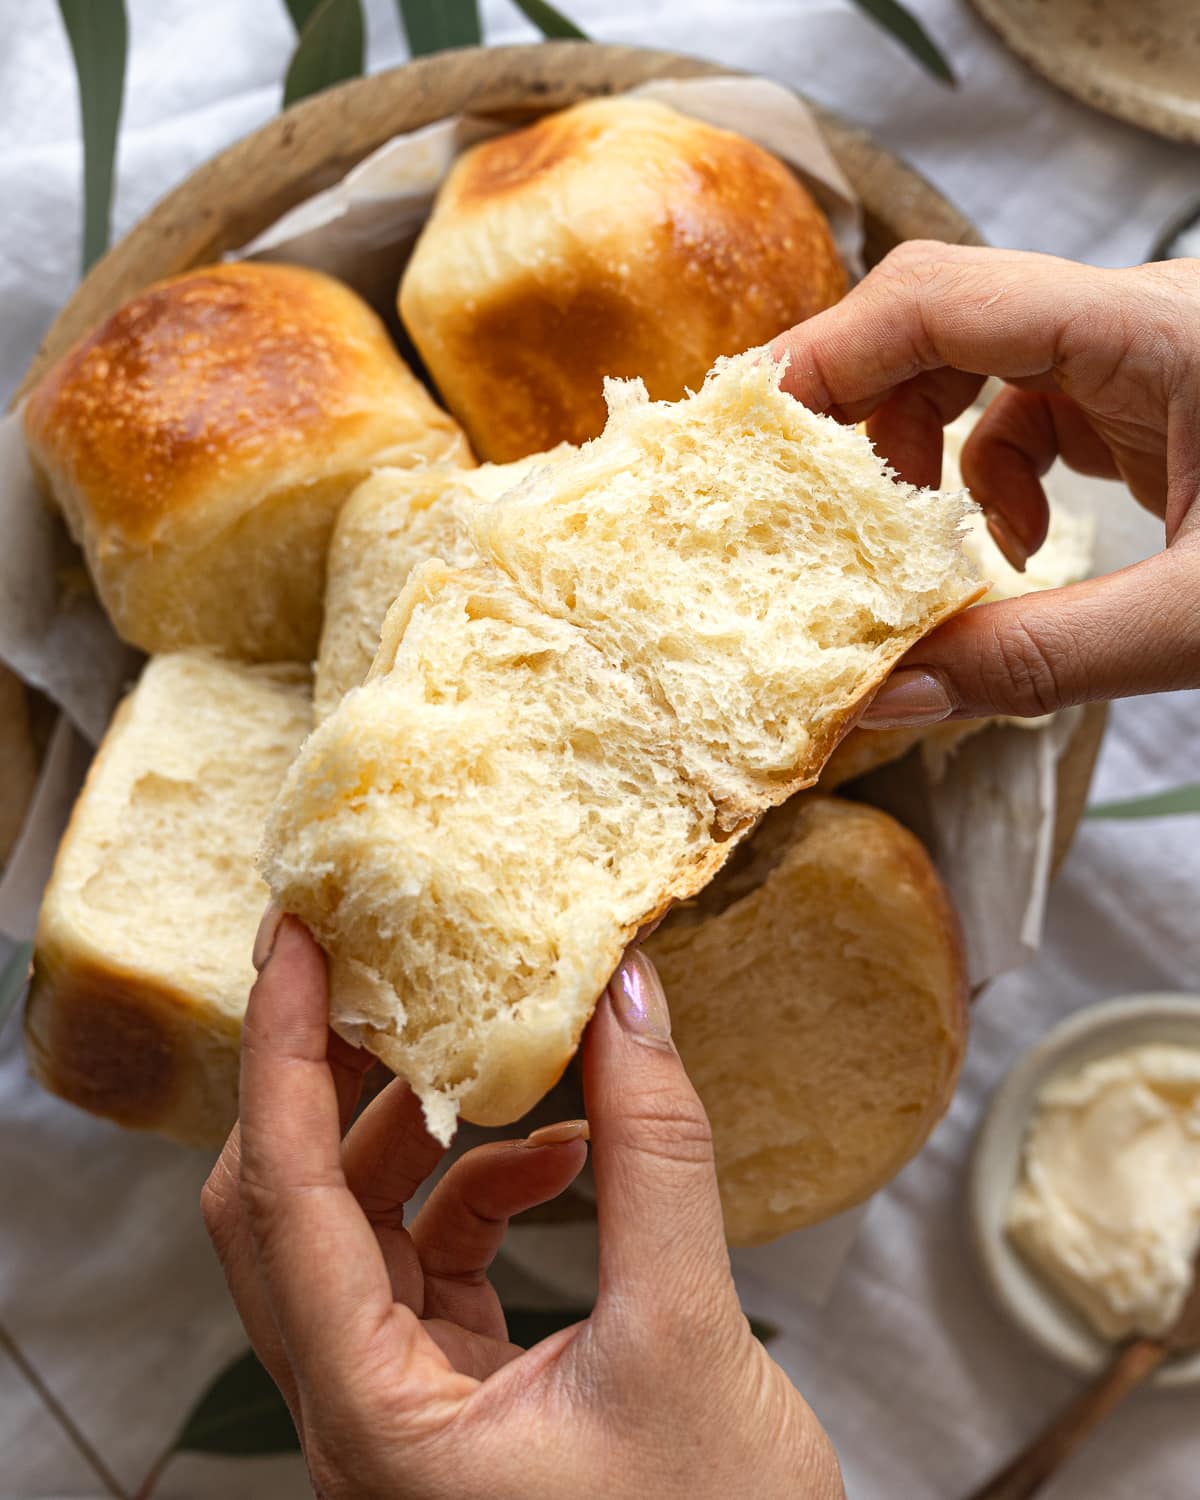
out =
column 559, row 1134
column 636, row 993
column 909, row 697
column 1010, row 544
column 264, row 938
column 648, row 928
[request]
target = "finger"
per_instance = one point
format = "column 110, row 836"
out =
column 386, row 1157
column 1134, row 631
column 321, row 1268
column 225, row 1220
column 1015, row 441
column 929, row 305
column 662, row 1244
column 460, row 1229
column 907, row 427
column 471, row 1353
column 350, row 1067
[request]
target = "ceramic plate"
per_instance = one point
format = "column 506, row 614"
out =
column 1136, row 59
column 995, row 1167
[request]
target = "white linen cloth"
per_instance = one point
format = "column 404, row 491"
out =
column 106, row 1279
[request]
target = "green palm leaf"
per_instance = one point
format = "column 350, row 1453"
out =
column 908, row 31
column 1180, row 799
column 434, row 25
column 549, row 21
column 331, row 48
column 99, row 35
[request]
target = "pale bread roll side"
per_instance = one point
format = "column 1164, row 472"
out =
column 818, row 1000
column 141, row 966
column 668, row 632
column 392, row 522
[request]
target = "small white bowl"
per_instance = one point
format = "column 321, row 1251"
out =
column 996, row 1163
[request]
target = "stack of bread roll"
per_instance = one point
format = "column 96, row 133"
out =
column 553, row 695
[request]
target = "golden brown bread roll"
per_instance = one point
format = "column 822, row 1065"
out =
column 818, row 1000
column 201, row 441
column 618, row 237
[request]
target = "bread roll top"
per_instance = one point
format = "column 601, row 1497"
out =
column 201, row 442
column 617, row 237
column 208, row 382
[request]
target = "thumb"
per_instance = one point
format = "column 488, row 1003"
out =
column 662, row 1240
column 1134, row 631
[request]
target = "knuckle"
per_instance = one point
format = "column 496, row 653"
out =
column 670, row 1130
column 916, row 259
column 258, row 1198
column 1034, row 671
column 219, row 1204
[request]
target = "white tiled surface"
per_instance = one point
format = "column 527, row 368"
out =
column 105, row 1276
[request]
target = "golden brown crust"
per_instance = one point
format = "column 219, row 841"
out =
column 241, row 360
column 210, row 417
column 123, row 1046
column 625, row 240
column 865, row 750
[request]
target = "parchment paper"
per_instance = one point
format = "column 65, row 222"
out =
column 994, row 811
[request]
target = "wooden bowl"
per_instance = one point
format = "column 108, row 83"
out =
column 237, row 194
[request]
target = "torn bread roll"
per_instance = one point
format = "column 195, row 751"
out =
column 666, row 634
column 830, row 928
column 141, row 964
column 201, row 442
column 394, row 521
column 615, row 238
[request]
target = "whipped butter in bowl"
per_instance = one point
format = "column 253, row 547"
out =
column 1085, row 1183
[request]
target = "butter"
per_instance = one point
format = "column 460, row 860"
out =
column 1108, row 1205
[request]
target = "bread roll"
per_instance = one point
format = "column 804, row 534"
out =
column 202, row 440
column 141, row 965
column 666, row 634
column 395, row 520
column 818, row 1000
column 617, row 237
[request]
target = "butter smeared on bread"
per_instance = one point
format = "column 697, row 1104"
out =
column 141, row 966
column 666, row 634
column 817, row 995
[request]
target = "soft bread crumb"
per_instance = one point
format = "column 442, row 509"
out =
column 665, row 634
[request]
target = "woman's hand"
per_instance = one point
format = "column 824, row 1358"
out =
column 386, row 1338
column 1104, row 371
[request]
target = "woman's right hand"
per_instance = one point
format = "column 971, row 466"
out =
column 1103, row 370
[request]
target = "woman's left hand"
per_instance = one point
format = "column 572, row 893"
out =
column 387, row 1340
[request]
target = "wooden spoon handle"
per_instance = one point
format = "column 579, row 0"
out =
column 1026, row 1474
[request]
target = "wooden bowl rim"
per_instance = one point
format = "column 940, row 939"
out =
column 321, row 138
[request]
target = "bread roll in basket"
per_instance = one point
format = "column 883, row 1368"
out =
column 520, row 370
